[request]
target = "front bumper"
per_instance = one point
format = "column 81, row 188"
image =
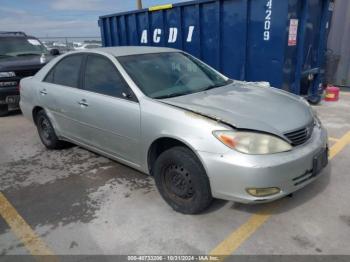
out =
column 6, row 92
column 231, row 174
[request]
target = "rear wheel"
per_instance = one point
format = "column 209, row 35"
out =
column 47, row 133
column 4, row 110
column 182, row 181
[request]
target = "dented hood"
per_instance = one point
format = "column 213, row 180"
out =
column 249, row 106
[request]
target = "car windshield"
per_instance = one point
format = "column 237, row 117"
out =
column 165, row 75
column 20, row 46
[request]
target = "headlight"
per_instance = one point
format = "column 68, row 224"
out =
column 7, row 74
column 252, row 143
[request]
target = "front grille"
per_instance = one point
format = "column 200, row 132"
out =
column 14, row 80
column 300, row 136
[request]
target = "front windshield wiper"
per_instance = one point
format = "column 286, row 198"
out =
column 1, row 55
column 229, row 81
column 173, row 95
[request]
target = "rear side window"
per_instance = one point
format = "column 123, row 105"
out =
column 66, row 72
column 102, row 77
column 49, row 77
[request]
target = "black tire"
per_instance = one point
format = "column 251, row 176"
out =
column 182, row 181
column 4, row 110
column 47, row 133
column 314, row 100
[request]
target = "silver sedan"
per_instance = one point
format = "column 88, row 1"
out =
column 167, row 114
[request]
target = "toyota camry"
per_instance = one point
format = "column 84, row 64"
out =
column 165, row 113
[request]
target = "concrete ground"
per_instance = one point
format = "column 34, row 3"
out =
column 76, row 202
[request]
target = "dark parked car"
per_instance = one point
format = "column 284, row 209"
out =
column 20, row 56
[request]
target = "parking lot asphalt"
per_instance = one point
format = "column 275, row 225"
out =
column 76, row 202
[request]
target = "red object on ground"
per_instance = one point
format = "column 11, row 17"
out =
column 332, row 93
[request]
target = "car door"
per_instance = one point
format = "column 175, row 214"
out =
column 111, row 112
column 60, row 94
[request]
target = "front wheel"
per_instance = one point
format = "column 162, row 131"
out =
column 314, row 100
column 182, row 181
column 4, row 110
column 47, row 133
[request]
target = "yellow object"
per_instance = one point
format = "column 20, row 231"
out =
column 24, row 232
column 333, row 139
column 160, row 7
column 330, row 95
column 340, row 145
column 241, row 234
column 263, row 192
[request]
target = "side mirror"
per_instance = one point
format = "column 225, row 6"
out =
column 129, row 96
column 54, row 52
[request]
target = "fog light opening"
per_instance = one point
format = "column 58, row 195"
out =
column 263, row 192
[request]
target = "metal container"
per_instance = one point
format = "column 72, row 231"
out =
column 339, row 38
column 279, row 41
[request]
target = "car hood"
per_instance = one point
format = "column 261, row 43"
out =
column 22, row 63
column 249, row 106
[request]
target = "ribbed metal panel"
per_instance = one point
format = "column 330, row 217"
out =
column 282, row 42
column 339, row 41
column 300, row 136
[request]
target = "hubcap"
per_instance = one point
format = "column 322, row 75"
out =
column 178, row 181
column 45, row 128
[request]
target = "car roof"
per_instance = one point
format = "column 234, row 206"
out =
column 134, row 50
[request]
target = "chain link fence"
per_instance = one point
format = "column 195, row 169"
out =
column 65, row 44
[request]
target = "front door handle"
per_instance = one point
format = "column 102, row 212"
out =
column 83, row 103
column 43, row 92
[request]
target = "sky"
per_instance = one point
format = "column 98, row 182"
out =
column 57, row 18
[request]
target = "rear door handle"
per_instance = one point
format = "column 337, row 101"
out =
column 43, row 92
column 83, row 103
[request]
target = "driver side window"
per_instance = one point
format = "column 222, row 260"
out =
column 101, row 76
